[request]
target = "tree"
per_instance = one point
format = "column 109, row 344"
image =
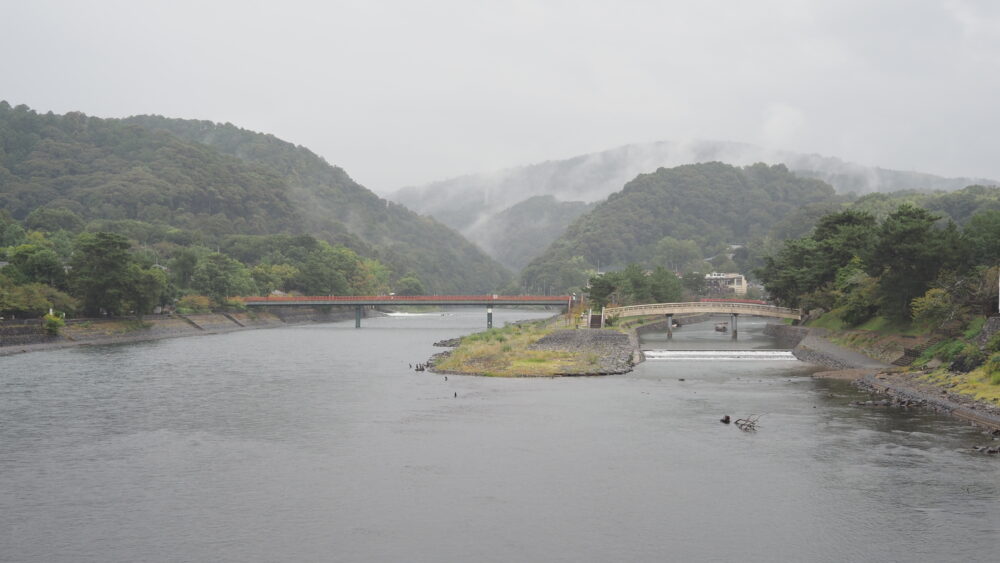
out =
column 602, row 287
column 145, row 288
column 53, row 219
column 39, row 264
column 664, row 286
column 908, row 256
column 409, row 285
column 983, row 234
column 99, row 273
column 219, row 277
column 693, row 282
column 675, row 254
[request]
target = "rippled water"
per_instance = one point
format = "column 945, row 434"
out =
column 318, row 443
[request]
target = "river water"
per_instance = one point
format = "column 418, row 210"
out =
column 318, row 443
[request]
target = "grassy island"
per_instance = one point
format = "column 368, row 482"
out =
column 541, row 349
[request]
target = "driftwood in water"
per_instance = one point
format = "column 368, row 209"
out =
column 748, row 424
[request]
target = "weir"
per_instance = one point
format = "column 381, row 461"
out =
column 719, row 355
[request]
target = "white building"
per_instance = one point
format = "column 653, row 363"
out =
column 731, row 283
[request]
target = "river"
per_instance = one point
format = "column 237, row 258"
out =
column 319, row 443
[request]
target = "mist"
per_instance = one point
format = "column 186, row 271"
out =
column 402, row 94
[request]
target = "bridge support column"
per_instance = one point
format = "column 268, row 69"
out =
column 670, row 326
column 735, row 327
column 357, row 316
column 489, row 316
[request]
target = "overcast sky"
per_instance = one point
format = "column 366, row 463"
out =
column 405, row 92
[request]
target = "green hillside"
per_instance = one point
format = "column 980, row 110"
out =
column 677, row 217
column 201, row 182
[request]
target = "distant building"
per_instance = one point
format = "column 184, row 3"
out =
column 726, row 283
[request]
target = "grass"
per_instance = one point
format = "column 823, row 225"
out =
column 505, row 352
column 883, row 325
column 975, row 326
column 978, row 383
column 829, row 321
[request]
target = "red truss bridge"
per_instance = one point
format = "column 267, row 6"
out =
column 360, row 301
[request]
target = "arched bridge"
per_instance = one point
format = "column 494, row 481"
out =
column 734, row 308
column 720, row 307
column 360, row 301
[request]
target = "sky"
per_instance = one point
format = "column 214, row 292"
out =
column 406, row 92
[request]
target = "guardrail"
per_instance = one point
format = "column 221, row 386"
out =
column 404, row 299
column 703, row 307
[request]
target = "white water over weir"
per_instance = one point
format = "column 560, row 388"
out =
column 719, row 355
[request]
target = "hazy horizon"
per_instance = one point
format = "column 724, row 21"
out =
column 404, row 94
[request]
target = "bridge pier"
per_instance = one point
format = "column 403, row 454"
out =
column 357, row 316
column 489, row 316
column 735, row 328
column 670, row 326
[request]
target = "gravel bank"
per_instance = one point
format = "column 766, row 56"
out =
column 902, row 387
column 906, row 387
column 614, row 349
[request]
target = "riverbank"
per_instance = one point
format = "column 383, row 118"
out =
column 903, row 388
column 29, row 337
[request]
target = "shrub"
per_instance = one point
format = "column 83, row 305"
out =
column 194, row 304
column 968, row 359
column 993, row 344
column 236, row 305
column 52, row 324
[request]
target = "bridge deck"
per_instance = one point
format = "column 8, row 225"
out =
column 400, row 300
column 721, row 307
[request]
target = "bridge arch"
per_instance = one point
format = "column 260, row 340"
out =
column 719, row 307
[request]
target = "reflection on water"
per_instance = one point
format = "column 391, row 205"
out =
column 320, row 443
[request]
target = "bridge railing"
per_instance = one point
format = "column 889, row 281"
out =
column 276, row 299
column 702, row 306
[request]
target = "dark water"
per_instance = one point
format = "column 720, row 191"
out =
column 318, row 443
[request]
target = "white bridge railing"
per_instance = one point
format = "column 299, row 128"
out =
column 703, row 307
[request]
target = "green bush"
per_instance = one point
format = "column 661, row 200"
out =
column 194, row 304
column 52, row 324
column 993, row 368
column 993, row 344
column 968, row 359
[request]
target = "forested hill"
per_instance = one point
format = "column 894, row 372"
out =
column 679, row 216
column 217, row 180
column 468, row 202
column 330, row 201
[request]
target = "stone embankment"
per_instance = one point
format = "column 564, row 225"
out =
column 903, row 388
column 907, row 389
column 613, row 349
column 810, row 345
column 20, row 336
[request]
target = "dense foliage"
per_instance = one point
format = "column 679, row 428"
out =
column 632, row 285
column 189, row 183
column 677, row 218
column 106, row 273
column 912, row 264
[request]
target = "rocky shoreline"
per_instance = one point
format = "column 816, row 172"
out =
column 615, row 350
column 901, row 388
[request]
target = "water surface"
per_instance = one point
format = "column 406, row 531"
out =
column 319, row 443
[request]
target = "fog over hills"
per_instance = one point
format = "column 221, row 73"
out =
column 471, row 203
